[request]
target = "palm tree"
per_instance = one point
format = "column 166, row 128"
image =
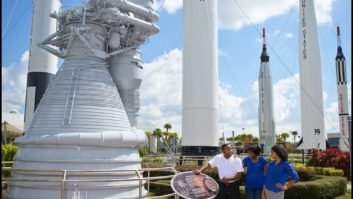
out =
column 166, row 136
column 158, row 134
column 255, row 140
column 167, row 126
column 294, row 133
column 171, row 139
column 249, row 137
column 285, row 135
column 240, row 138
column 279, row 138
column 149, row 136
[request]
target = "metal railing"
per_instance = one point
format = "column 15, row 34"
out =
column 66, row 173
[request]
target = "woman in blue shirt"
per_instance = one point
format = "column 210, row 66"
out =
column 255, row 167
column 277, row 174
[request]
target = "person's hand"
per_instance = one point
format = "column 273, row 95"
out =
column 197, row 171
column 226, row 180
column 263, row 195
column 280, row 186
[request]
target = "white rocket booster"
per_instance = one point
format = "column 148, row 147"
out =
column 266, row 119
column 41, row 65
column 200, row 78
column 342, row 95
column 311, row 99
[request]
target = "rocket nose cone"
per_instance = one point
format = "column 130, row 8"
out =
column 340, row 53
column 264, row 55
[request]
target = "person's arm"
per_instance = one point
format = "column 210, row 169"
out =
column 265, row 169
column 245, row 166
column 263, row 193
column 294, row 178
column 205, row 166
column 238, row 176
column 265, row 166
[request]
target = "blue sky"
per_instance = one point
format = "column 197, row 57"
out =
column 239, row 46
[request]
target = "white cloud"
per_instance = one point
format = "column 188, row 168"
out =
column 171, row 6
column 232, row 17
column 289, row 35
column 231, row 12
column 161, row 92
column 323, row 10
column 161, row 100
column 223, row 53
column 14, row 80
column 276, row 32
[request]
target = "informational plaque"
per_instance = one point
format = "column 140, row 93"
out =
column 194, row 186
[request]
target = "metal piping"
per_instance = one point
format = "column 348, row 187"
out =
column 107, row 139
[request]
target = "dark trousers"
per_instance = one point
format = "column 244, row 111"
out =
column 228, row 191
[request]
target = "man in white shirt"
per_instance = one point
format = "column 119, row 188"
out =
column 230, row 170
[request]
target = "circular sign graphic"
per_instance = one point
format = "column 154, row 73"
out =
column 194, row 186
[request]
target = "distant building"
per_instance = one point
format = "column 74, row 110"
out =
column 333, row 139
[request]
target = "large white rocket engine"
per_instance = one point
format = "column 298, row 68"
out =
column 87, row 117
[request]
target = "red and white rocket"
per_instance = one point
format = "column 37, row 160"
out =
column 342, row 95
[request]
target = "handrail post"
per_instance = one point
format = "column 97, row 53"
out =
column 148, row 181
column 140, row 183
column 63, row 185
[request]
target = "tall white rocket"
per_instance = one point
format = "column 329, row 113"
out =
column 267, row 130
column 200, row 78
column 42, row 64
column 342, row 95
column 311, row 99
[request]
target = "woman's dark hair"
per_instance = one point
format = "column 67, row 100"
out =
column 280, row 151
column 255, row 149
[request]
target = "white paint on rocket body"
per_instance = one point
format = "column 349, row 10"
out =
column 42, row 27
column 342, row 99
column 311, row 98
column 267, row 130
column 200, row 74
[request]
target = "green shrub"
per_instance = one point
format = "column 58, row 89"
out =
column 330, row 171
column 156, row 173
column 326, row 187
column 318, row 170
column 305, row 174
column 8, row 152
column 143, row 151
column 146, row 159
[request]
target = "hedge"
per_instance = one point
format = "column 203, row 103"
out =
column 326, row 187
